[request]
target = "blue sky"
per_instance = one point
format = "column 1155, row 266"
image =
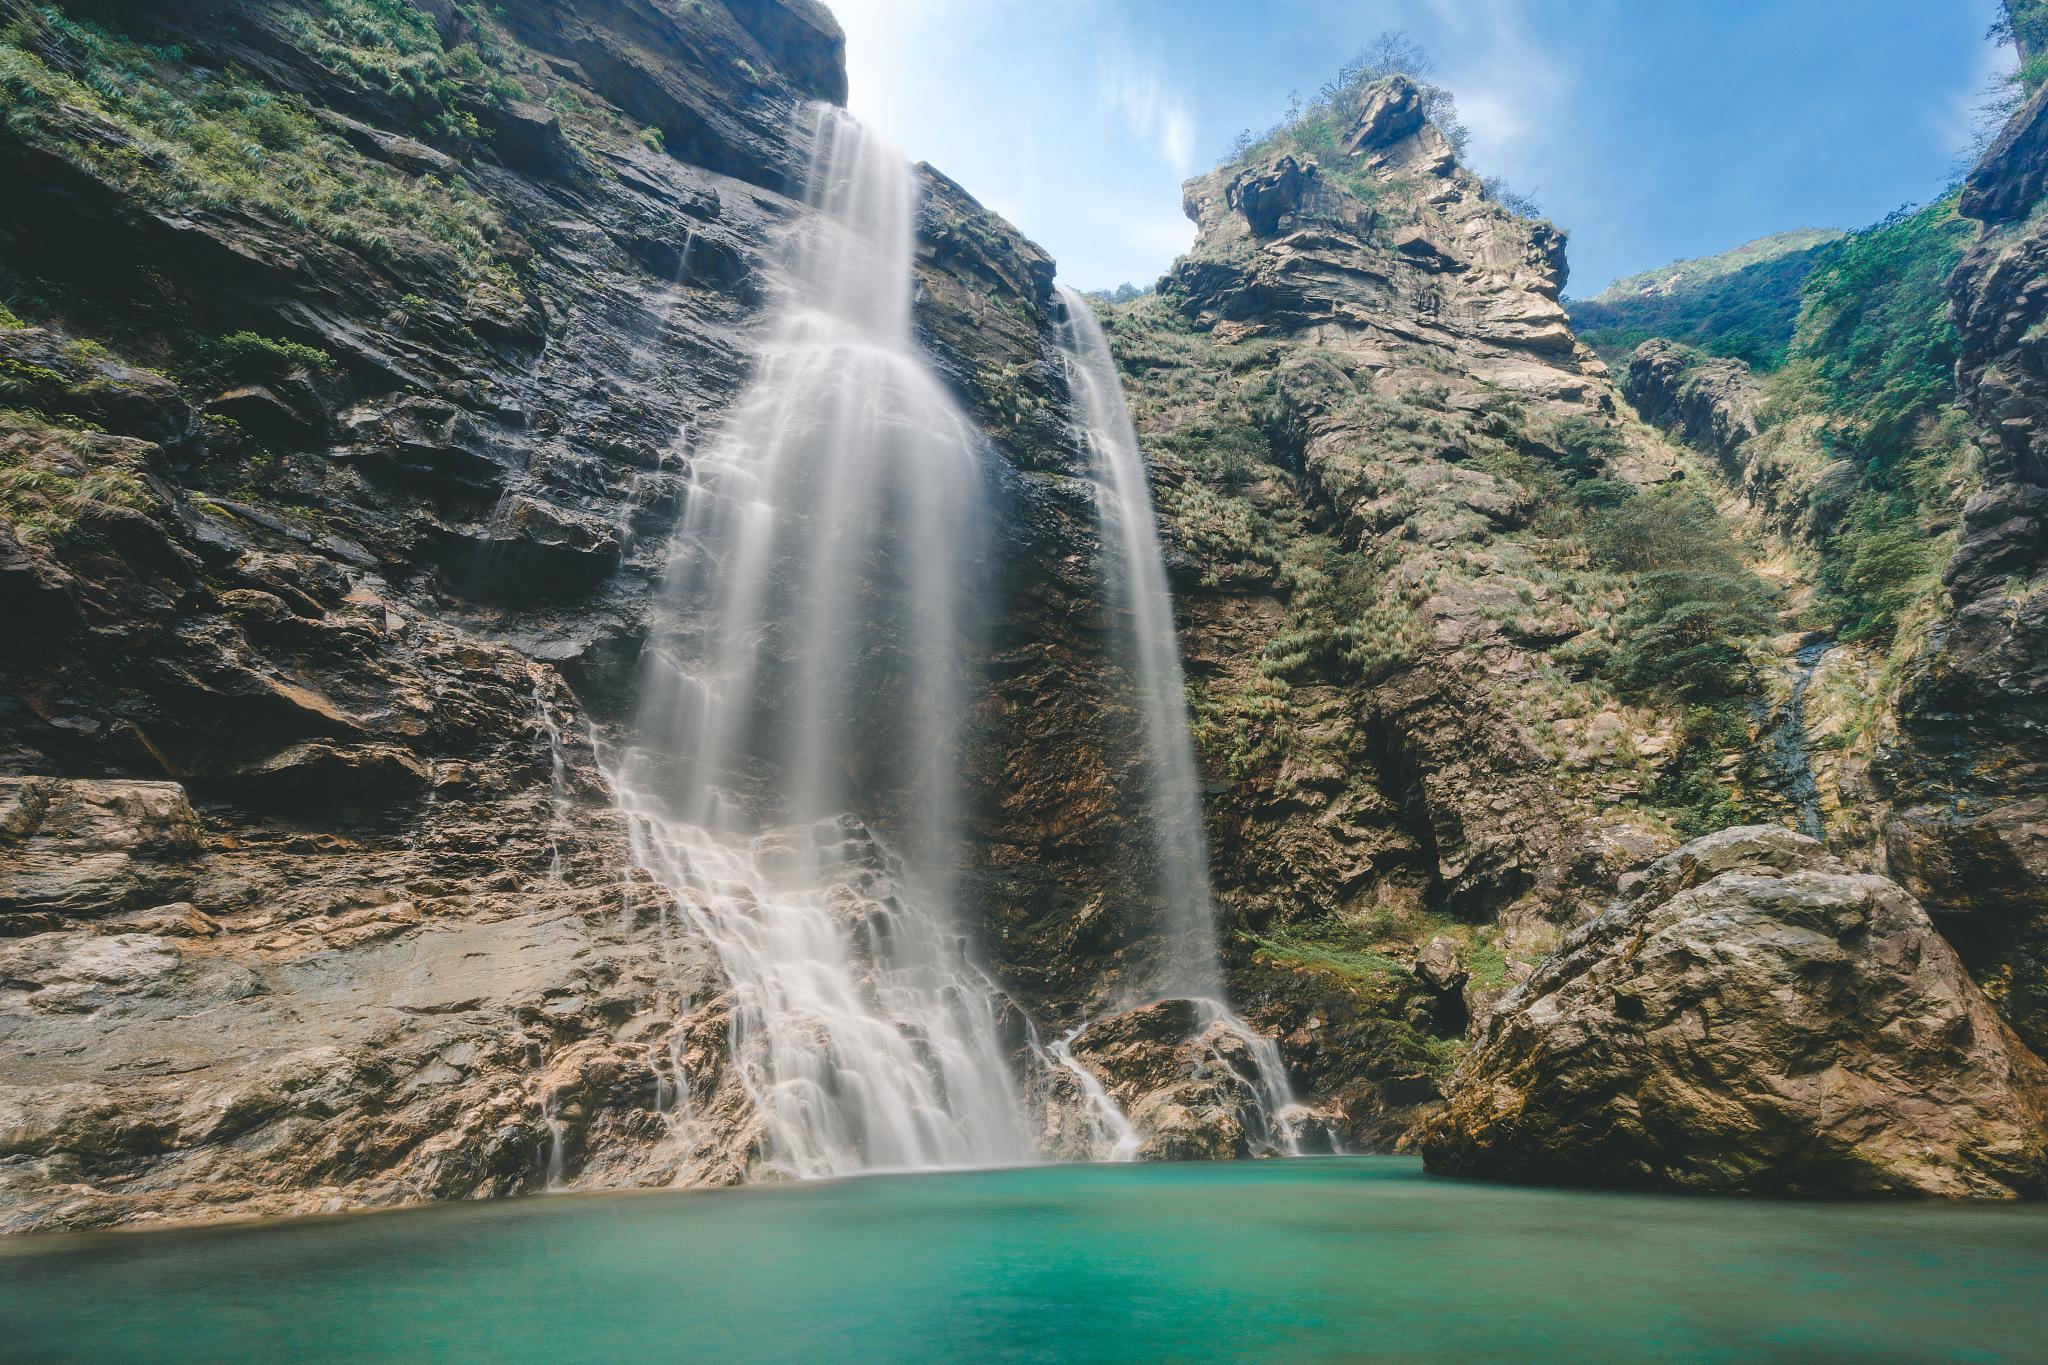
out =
column 1651, row 129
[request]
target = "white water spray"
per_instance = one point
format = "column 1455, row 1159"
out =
column 802, row 698
column 1189, row 962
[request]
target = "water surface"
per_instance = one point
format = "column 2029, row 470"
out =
column 1342, row 1258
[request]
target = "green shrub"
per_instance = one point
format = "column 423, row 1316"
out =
column 392, row 48
column 1875, row 358
column 252, row 355
column 188, row 137
column 1683, row 630
column 1586, row 445
column 1691, row 789
column 1693, row 604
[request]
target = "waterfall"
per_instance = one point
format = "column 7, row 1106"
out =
column 1188, row 964
column 793, row 775
column 1782, row 746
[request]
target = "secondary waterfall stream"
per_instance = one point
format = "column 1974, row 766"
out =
column 1188, row 964
column 808, row 657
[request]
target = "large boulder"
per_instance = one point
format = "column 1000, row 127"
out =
column 1751, row 1016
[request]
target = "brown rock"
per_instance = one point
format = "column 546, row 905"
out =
column 1390, row 111
column 89, row 848
column 1754, row 1017
column 1438, row 966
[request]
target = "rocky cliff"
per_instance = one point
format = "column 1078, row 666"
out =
column 1969, row 775
column 1368, row 415
column 1752, row 1015
column 1919, row 531
column 352, row 360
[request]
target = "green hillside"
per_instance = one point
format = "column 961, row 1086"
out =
column 1742, row 303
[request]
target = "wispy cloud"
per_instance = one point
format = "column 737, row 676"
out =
column 1155, row 113
column 1508, row 80
column 1970, row 116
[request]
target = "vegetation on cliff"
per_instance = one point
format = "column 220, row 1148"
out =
column 1742, row 303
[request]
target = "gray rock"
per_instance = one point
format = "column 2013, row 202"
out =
column 1438, row 966
column 1754, row 1017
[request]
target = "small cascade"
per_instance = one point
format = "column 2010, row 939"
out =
column 1190, row 965
column 1783, row 748
column 558, row 796
column 557, row 1162
column 1113, row 1137
column 792, row 780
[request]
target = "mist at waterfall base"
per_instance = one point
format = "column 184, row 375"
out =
column 1325, row 1258
column 793, row 776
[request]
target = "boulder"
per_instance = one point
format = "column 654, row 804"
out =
column 1751, row 1016
column 1275, row 194
column 1438, row 967
column 1185, row 1078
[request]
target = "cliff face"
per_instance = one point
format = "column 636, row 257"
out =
column 312, row 890
column 1970, row 771
column 295, row 631
column 1368, row 414
column 1953, row 807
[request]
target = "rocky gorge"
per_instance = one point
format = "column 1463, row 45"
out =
column 359, row 362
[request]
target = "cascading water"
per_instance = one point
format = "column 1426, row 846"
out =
column 1189, row 963
column 802, row 697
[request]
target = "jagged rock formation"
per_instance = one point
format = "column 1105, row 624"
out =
column 1969, row 775
column 1352, row 388
column 1711, row 404
column 1751, row 1016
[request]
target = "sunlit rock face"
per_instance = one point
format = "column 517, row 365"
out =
column 1751, row 1016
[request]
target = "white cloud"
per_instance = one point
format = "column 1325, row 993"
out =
column 1138, row 93
column 1508, row 81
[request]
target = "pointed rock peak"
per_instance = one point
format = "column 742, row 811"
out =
column 1390, row 110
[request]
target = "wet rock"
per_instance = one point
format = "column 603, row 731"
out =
column 92, row 847
column 1753, row 1016
column 270, row 415
column 366, row 772
column 528, row 137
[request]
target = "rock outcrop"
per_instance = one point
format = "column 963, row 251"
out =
column 1751, row 1016
column 1358, row 391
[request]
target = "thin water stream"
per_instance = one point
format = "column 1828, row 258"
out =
column 1188, row 963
